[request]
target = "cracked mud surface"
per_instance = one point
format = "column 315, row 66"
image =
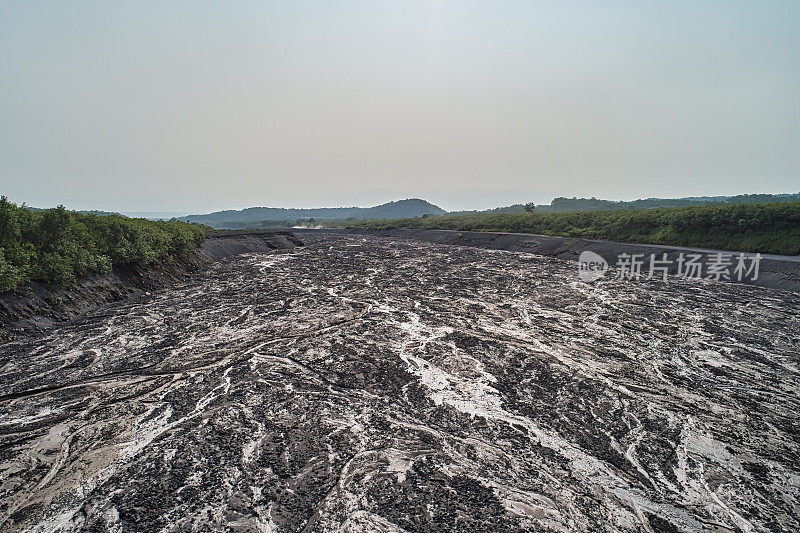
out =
column 365, row 384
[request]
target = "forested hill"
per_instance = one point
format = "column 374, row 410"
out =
column 563, row 204
column 400, row 209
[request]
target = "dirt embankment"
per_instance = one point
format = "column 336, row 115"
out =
column 40, row 305
column 226, row 244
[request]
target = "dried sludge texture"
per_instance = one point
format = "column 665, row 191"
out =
column 364, row 384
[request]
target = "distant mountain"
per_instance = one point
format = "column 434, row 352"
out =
column 595, row 204
column 82, row 212
column 100, row 213
column 155, row 215
column 504, row 210
column 271, row 216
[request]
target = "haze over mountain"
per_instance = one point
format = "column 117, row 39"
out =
column 253, row 217
column 413, row 207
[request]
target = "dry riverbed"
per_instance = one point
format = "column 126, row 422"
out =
column 368, row 384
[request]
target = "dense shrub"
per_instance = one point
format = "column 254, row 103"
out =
column 766, row 228
column 56, row 245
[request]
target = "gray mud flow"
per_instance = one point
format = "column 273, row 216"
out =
column 365, row 384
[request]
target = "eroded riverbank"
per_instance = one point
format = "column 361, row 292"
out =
column 41, row 306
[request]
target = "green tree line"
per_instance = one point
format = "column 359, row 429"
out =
column 766, row 228
column 57, row 245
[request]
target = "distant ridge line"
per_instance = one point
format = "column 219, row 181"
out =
column 409, row 208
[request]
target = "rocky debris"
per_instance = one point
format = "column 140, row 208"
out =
column 368, row 384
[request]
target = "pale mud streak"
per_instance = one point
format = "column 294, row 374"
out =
column 365, row 384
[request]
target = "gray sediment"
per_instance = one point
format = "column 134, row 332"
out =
column 775, row 271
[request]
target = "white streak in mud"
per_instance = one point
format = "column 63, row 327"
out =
column 272, row 260
column 478, row 398
column 144, row 432
column 696, row 489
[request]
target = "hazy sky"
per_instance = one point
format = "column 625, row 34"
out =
column 197, row 106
